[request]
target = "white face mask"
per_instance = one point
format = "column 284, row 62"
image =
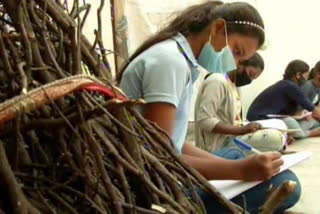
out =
column 217, row 62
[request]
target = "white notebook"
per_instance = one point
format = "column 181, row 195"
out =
column 232, row 188
column 274, row 124
column 297, row 117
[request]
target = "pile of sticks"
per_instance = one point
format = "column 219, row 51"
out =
column 70, row 142
column 67, row 149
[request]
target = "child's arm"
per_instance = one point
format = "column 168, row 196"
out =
column 227, row 129
column 210, row 101
column 255, row 167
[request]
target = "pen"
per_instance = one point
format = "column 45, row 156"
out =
column 245, row 146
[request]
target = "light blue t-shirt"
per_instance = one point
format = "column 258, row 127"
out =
column 165, row 73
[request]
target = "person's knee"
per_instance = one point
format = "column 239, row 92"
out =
column 274, row 140
column 300, row 134
column 266, row 140
column 291, row 123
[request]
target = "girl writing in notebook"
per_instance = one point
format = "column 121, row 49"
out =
column 162, row 72
column 218, row 118
column 286, row 98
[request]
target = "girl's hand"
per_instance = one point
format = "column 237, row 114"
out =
column 262, row 166
column 250, row 127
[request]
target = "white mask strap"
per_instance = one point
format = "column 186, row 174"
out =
column 226, row 33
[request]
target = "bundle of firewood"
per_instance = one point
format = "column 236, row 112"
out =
column 70, row 142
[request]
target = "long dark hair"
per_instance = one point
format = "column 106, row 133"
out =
column 315, row 70
column 294, row 67
column 196, row 19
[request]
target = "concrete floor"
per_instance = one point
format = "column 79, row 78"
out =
column 309, row 176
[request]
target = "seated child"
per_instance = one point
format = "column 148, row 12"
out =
column 285, row 98
column 218, row 111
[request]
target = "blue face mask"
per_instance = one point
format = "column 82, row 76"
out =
column 217, row 62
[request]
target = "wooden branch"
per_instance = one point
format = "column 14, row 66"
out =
column 277, row 197
column 9, row 184
column 4, row 56
column 231, row 207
